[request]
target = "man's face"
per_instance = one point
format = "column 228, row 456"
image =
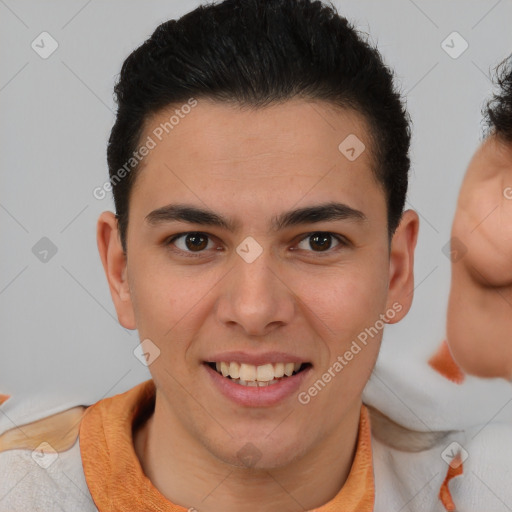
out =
column 261, row 294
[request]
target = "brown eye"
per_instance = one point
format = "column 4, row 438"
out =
column 191, row 242
column 320, row 241
column 196, row 241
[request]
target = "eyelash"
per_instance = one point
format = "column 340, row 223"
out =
column 342, row 241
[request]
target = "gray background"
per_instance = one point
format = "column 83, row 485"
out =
column 59, row 330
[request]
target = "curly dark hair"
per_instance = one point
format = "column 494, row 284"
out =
column 256, row 53
column 498, row 110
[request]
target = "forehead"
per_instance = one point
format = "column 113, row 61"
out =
column 214, row 130
column 283, row 151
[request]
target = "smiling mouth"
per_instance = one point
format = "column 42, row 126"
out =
column 257, row 376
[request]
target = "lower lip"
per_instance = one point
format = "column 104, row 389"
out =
column 255, row 396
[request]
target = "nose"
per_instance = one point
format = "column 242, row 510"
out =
column 256, row 297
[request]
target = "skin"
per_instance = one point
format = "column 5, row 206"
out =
column 479, row 319
column 252, row 165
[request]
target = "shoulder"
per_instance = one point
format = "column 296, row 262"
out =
column 40, row 461
column 32, row 480
column 467, row 469
column 485, row 482
column 420, row 420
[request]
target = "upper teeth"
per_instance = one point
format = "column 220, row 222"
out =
column 250, row 372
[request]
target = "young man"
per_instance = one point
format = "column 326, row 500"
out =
column 259, row 165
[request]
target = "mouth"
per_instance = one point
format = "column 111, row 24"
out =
column 264, row 375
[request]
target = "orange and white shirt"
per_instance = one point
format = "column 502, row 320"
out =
column 101, row 471
column 83, row 459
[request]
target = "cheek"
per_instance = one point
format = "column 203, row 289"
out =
column 351, row 329
column 344, row 302
column 164, row 295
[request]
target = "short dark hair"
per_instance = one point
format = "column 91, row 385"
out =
column 498, row 110
column 257, row 53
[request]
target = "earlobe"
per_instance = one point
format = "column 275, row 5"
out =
column 401, row 265
column 114, row 263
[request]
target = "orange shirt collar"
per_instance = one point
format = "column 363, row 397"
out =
column 117, row 482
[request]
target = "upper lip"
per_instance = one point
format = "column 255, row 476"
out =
column 255, row 359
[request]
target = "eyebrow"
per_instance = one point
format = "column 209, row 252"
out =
column 307, row 215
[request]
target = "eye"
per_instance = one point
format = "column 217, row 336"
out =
column 322, row 240
column 191, row 242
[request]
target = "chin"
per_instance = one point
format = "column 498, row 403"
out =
column 261, row 451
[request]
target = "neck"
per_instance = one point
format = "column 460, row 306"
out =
column 189, row 475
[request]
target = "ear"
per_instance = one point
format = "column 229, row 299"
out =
column 401, row 265
column 115, row 265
